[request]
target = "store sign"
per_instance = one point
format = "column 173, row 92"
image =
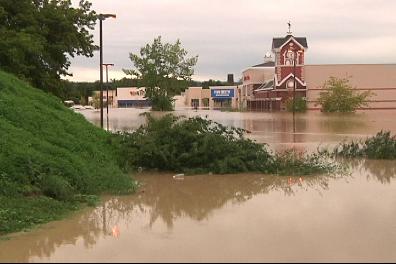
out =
column 222, row 93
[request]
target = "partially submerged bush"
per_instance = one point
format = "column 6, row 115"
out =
column 299, row 104
column 381, row 146
column 291, row 162
column 198, row 145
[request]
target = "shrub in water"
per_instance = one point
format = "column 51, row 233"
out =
column 299, row 105
column 381, row 146
column 198, row 145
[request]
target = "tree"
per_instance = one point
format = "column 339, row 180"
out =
column 38, row 37
column 164, row 70
column 339, row 96
column 299, row 104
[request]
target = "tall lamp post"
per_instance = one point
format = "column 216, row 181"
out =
column 294, row 93
column 107, row 92
column 102, row 17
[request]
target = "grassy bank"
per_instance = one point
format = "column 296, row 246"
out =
column 50, row 157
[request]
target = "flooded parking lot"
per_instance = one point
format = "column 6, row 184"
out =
column 277, row 129
column 234, row 218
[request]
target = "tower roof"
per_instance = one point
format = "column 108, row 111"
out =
column 278, row 42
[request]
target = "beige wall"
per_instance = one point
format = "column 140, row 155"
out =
column 257, row 75
column 378, row 78
column 131, row 93
column 196, row 93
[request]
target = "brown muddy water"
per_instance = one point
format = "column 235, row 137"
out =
column 234, row 218
column 278, row 129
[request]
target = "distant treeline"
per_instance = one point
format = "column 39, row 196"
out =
column 80, row 91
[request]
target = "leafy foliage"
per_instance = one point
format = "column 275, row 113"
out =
column 299, row 105
column 39, row 37
column 381, row 146
column 198, row 145
column 164, row 70
column 339, row 96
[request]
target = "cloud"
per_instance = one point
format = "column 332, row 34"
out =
column 230, row 35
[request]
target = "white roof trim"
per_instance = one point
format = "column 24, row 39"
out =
column 280, row 48
column 291, row 75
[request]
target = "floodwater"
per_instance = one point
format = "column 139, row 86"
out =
column 278, row 129
column 235, row 218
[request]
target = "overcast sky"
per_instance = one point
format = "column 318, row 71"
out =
column 231, row 35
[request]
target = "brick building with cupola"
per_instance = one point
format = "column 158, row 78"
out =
column 289, row 54
column 268, row 86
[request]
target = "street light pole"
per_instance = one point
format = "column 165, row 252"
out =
column 102, row 17
column 107, row 92
column 294, row 94
column 294, row 80
column 101, row 72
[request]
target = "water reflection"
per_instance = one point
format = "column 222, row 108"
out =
column 381, row 170
column 160, row 198
column 164, row 205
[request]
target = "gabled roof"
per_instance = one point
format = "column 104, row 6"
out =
column 265, row 64
column 278, row 42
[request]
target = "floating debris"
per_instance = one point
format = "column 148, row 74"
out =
column 178, row 176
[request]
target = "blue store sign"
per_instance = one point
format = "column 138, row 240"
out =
column 222, row 93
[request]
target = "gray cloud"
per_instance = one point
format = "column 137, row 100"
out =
column 230, row 35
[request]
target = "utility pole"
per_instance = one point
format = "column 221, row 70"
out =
column 107, row 92
column 102, row 17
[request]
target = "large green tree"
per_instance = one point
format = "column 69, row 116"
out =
column 164, row 70
column 38, row 37
column 339, row 96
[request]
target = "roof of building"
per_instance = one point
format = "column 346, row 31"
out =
column 269, row 84
column 265, row 86
column 265, row 64
column 278, row 42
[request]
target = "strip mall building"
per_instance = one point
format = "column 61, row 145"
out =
column 216, row 97
column 269, row 85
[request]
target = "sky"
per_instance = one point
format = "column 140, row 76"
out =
column 231, row 35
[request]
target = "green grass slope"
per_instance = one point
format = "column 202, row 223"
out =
column 49, row 157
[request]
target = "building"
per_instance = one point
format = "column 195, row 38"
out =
column 197, row 97
column 256, row 77
column 292, row 77
column 216, row 97
column 132, row 97
column 380, row 79
column 289, row 76
column 223, row 97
